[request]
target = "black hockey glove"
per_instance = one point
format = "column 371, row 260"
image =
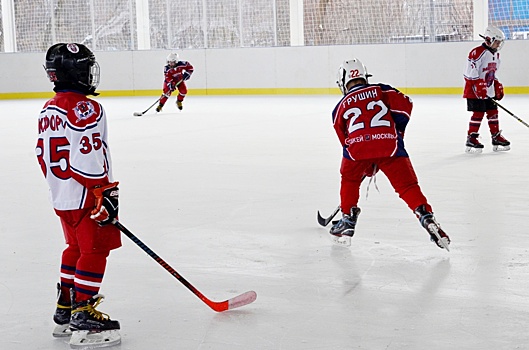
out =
column 106, row 203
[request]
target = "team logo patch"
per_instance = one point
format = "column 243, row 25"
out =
column 73, row 48
column 84, row 110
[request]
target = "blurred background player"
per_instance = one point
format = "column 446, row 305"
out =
column 175, row 75
column 370, row 121
column 481, row 87
column 73, row 152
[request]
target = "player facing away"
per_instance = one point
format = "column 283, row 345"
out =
column 481, row 87
column 73, row 153
column 176, row 73
column 370, row 121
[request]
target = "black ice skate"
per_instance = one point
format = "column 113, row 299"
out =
column 437, row 235
column 62, row 315
column 86, row 317
column 342, row 231
column 90, row 327
column 500, row 143
column 473, row 144
column 159, row 108
column 179, row 105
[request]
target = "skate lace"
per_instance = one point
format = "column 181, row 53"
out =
column 92, row 310
column 59, row 306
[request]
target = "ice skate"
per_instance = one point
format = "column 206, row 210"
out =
column 437, row 235
column 473, row 144
column 342, row 231
column 62, row 315
column 179, row 105
column 500, row 143
column 90, row 327
column 159, row 108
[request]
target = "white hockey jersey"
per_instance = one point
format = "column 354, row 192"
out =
column 481, row 64
column 72, row 149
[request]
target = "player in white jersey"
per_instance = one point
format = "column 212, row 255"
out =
column 481, row 87
column 73, row 152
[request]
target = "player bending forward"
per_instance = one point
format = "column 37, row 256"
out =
column 481, row 87
column 72, row 149
column 176, row 73
column 370, row 121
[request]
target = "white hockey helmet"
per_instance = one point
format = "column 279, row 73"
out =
column 350, row 70
column 173, row 57
column 493, row 34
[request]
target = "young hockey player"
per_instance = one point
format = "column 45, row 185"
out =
column 481, row 87
column 73, row 153
column 175, row 75
column 370, row 121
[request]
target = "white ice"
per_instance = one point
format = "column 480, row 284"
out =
column 227, row 191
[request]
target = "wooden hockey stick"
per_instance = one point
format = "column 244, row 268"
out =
column 238, row 301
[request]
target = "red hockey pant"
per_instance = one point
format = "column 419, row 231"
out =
column 84, row 261
column 399, row 172
column 182, row 92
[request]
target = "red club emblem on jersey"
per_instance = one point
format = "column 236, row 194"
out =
column 84, row 110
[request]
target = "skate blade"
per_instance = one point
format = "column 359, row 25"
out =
column 442, row 241
column 92, row 340
column 501, row 148
column 342, row 241
column 473, row 150
column 62, row 330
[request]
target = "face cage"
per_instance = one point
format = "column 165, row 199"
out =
column 500, row 45
column 93, row 78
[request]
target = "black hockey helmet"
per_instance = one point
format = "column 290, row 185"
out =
column 72, row 66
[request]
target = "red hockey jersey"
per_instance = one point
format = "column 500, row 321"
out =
column 370, row 121
column 72, row 149
column 173, row 76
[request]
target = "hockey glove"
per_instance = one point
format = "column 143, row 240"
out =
column 106, row 203
column 480, row 89
column 171, row 87
column 498, row 90
column 186, row 76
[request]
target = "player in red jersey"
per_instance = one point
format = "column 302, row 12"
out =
column 481, row 87
column 74, row 156
column 370, row 121
column 176, row 73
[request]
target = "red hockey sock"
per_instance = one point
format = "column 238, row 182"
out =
column 89, row 274
column 494, row 124
column 69, row 259
column 475, row 122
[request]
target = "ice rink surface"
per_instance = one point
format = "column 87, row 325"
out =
column 227, row 191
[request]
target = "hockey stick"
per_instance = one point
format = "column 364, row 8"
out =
column 509, row 112
column 238, row 301
column 139, row 114
column 324, row 222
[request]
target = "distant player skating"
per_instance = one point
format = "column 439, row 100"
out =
column 176, row 73
column 482, row 87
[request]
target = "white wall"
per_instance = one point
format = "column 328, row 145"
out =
column 431, row 65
